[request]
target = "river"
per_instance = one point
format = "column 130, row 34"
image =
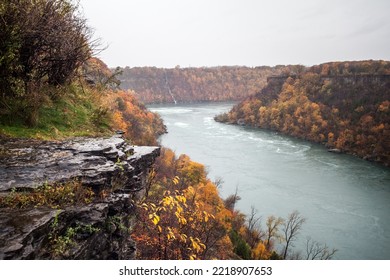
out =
column 345, row 200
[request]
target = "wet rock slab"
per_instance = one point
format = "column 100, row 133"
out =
column 28, row 164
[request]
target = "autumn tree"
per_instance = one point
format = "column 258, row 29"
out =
column 174, row 228
column 129, row 115
column 272, row 232
column 183, row 217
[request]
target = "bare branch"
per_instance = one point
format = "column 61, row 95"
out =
column 254, row 233
column 291, row 229
column 218, row 182
column 231, row 200
column 317, row 251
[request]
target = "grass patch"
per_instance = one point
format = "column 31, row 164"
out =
column 79, row 112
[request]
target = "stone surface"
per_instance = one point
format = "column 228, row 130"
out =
column 101, row 229
column 28, row 164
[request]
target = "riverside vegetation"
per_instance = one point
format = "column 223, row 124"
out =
column 53, row 91
column 343, row 105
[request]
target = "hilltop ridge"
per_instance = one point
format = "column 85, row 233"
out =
column 186, row 85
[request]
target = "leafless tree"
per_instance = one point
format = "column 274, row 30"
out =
column 253, row 220
column 254, row 232
column 218, row 182
column 231, row 200
column 290, row 230
column 317, row 251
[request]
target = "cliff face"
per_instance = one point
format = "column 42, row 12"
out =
column 98, row 228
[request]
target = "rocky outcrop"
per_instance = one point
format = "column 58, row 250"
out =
column 97, row 230
column 98, row 162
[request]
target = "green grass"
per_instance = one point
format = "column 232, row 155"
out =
column 77, row 113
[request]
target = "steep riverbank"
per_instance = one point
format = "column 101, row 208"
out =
column 344, row 106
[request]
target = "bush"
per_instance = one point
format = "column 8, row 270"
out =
column 42, row 43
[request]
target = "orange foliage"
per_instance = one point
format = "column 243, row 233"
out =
column 342, row 105
column 260, row 252
column 183, row 217
column 141, row 126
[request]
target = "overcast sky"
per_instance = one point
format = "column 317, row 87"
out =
column 166, row 33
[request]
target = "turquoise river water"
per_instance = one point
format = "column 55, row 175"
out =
column 345, row 200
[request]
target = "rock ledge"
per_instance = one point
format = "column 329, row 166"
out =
column 100, row 229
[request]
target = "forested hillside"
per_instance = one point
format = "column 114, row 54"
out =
column 158, row 85
column 344, row 105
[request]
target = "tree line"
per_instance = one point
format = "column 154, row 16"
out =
column 225, row 83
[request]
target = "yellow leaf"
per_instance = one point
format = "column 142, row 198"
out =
column 183, row 237
column 156, row 219
column 145, row 206
column 175, row 180
column 170, row 236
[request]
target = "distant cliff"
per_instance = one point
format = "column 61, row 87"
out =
column 158, row 85
column 70, row 199
column 344, row 105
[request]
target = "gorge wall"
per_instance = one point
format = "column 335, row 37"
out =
column 347, row 110
column 105, row 176
column 184, row 85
